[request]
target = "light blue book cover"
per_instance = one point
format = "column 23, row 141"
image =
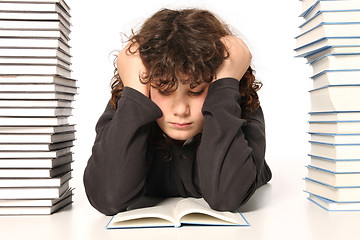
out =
column 333, row 206
column 327, row 11
column 355, row 24
column 325, row 45
column 312, row 7
column 330, row 86
column 331, row 172
column 333, row 160
column 339, row 70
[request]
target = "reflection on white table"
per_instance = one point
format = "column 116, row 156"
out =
column 278, row 210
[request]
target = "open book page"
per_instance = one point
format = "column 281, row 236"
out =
column 161, row 215
column 198, row 211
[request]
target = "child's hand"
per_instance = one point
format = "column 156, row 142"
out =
column 238, row 61
column 130, row 68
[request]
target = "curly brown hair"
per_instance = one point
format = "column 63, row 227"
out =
column 185, row 42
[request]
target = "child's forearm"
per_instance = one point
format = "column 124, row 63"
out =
column 228, row 164
column 115, row 173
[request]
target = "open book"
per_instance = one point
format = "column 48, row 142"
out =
column 175, row 212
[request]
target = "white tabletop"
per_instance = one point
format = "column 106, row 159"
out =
column 278, row 210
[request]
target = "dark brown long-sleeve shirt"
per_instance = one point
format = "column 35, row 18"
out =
column 225, row 168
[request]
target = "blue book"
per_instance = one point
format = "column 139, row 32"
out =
column 336, row 62
column 335, row 98
column 332, row 16
column 335, row 138
column 327, row 29
column 339, row 194
column 335, row 116
column 330, row 205
column 355, row 72
column 176, row 212
column 336, row 151
column 335, row 179
column 335, row 165
column 334, row 51
column 329, row 5
column 323, row 43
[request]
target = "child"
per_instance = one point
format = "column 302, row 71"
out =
column 184, row 118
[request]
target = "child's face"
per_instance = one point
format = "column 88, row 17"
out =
column 182, row 117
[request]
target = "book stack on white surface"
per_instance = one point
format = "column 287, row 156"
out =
column 36, row 94
column 330, row 41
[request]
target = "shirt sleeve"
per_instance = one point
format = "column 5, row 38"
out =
column 116, row 171
column 230, row 157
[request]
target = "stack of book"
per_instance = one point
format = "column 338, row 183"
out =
column 36, row 94
column 330, row 41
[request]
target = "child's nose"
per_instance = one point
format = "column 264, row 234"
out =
column 180, row 107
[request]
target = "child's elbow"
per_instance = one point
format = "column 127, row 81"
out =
column 221, row 204
column 108, row 208
column 225, row 201
column 105, row 204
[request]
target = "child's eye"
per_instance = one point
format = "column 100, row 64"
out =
column 196, row 93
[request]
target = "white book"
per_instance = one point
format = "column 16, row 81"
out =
column 341, row 194
column 335, row 98
column 35, row 60
column 29, row 182
column 328, row 30
column 60, row 3
column 21, row 121
column 330, row 6
column 23, row 163
column 36, row 96
column 36, row 138
column 35, row 112
column 335, row 151
column 174, row 212
column 335, row 165
column 324, row 43
column 31, row 69
column 34, row 24
column 340, row 127
column 35, row 172
column 35, row 7
column 34, row 43
column 335, row 116
column 34, row 33
column 34, row 103
column 36, row 87
column 35, row 146
column 33, row 193
column 35, row 52
column 330, row 17
column 38, row 129
column 34, row 154
column 330, row 205
column 35, row 202
column 336, row 77
column 336, row 62
column 333, row 138
column 39, row 79
column 335, row 179
column 27, row 15
column 36, row 210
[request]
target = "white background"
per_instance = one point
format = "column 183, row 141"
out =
column 276, row 209
column 269, row 28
